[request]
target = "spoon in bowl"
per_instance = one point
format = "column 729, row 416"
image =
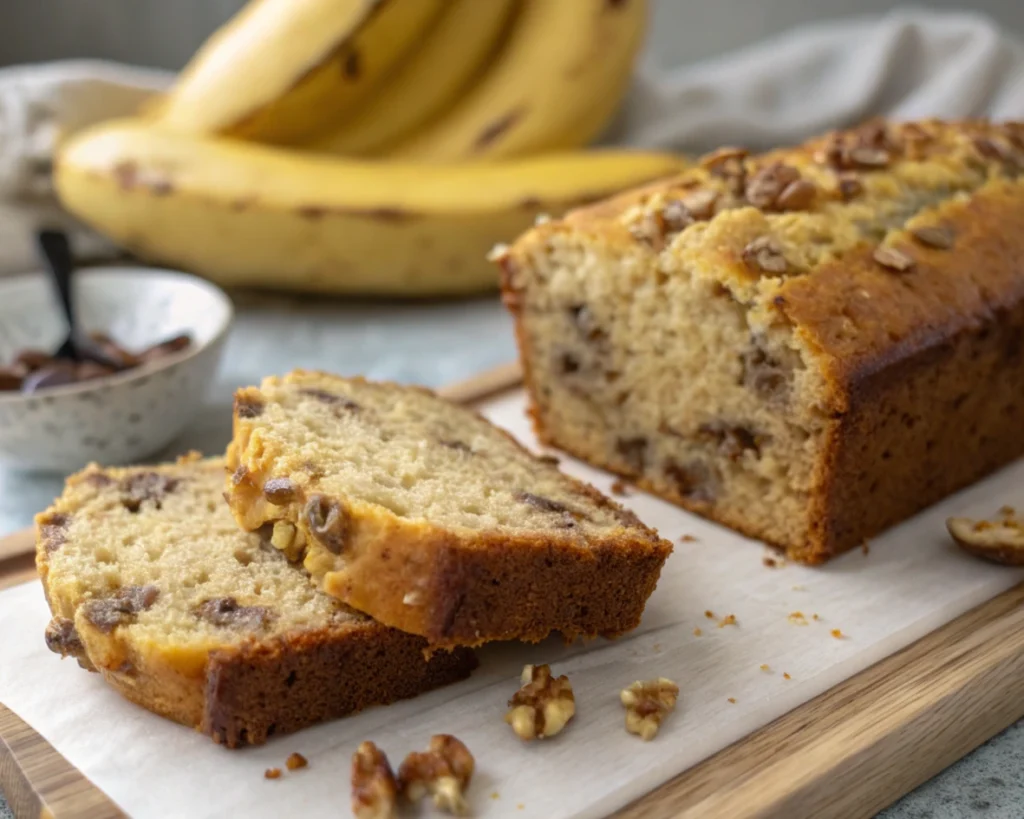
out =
column 77, row 356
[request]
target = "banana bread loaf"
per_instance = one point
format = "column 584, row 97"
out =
column 425, row 516
column 152, row 584
column 807, row 346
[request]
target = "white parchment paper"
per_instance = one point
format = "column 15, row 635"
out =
column 912, row 581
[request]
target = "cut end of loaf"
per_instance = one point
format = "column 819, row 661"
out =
column 757, row 338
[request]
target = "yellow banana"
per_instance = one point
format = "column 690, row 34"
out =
column 563, row 63
column 246, row 214
column 429, row 78
column 285, row 70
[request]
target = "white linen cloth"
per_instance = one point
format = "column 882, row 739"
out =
column 910, row 63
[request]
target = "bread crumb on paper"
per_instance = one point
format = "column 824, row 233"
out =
column 837, row 634
column 770, row 562
column 728, row 620
column 697, row 632
column 785, row 675
column 765, row 667
column 687, row 539
column 709, row 614
column 732, row 700
column 620, row 488
column 272, row 773
column 797, row 618
column 296, row 761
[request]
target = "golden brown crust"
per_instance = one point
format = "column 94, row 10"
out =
column 902, row 280
column 238, row 690
column 462, row 588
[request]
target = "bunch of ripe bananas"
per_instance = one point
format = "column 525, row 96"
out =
column 367, row 146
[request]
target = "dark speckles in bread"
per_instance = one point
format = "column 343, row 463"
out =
column 152, row 584
column 838, row 344
column 432, row 520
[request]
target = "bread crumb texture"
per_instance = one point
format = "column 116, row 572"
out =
column 431, row 519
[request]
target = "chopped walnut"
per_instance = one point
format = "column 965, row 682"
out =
column 766, row 254
column 647, row 704
column 374, row 789
column 700, row 204
column 283, row 537
column 998, row 541
column 798, row 195
column 869, row 157
column 443, row 770
column 869, row 147
column 938, row 237
column 721, row 156
column 766, row 185
column 543, row 705
column 849, row 186
column 893, row 259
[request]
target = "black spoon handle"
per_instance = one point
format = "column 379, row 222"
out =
column 57, row 251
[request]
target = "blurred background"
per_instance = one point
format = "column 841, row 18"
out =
column 165, row 34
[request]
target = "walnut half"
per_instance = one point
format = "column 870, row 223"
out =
column 443, row 771
column 542, row 706
column 999, row 541
column 374, row 790
column 647, row 704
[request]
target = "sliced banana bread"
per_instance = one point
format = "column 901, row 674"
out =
column 427, row 517
column 151, row 584
column 808, row 345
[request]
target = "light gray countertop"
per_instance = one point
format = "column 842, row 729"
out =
column 435, row 344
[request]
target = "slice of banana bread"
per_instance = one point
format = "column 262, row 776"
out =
column 807, row 346
column 151, row 584
column 425, row 516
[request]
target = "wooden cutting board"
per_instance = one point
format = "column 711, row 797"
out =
column 849, row 752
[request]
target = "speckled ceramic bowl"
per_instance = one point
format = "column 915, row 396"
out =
column 126, row 416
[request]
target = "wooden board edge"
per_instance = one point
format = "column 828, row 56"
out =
column 16, row 545
column 39, row 782
column 872, row 739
